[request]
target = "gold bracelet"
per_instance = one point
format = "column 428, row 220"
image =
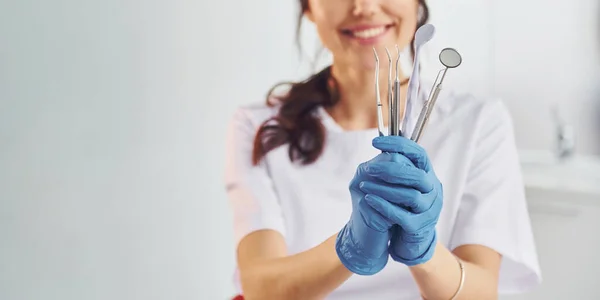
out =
column 462, row 278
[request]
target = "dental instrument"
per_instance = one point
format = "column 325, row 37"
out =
column 400, row 115
column 423, row 35
column 389, row 92
column 451, row 59
column 396, row 99
column 393, row 94
column 378, row 97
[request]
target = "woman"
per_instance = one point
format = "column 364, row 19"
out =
column 398, row 233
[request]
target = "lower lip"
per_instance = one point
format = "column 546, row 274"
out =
column 372, row 40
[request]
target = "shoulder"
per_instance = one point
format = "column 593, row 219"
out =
column 253, row 114
column 472, row 109
column 241, row 133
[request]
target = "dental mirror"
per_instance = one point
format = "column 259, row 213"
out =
column 450, row 58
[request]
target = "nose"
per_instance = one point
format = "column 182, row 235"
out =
column 364, row 8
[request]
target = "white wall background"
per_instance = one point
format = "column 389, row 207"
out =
column 112, row 116
column 548, row 53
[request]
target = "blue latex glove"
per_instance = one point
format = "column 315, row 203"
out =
column 362, row 245
column 406, row 192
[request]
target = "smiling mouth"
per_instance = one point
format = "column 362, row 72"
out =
column 367, row 33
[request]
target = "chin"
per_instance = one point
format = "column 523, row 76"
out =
column 363, row 62
column 366, row 61
column 368, row 65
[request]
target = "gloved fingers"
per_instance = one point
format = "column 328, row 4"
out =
column 409, row 198
column 390, row 157
column 360, row 176
column 396, row 173
column 411, row 223
column 394, row 157
column 390, row 211
column 372, row 218
column 406, row 147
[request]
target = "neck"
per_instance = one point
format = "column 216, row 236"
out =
column 357, row 107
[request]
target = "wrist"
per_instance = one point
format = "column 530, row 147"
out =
column 435, row 263
column 413, row 253
column 356, row 259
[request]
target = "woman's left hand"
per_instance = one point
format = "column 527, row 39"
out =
column 407, row 192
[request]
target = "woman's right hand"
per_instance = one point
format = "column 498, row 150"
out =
column 362, row 245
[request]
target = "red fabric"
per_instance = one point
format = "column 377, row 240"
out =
column 238, row 297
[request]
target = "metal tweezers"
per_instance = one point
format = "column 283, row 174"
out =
column 396, row 108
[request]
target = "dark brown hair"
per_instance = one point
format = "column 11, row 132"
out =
column 296, row 122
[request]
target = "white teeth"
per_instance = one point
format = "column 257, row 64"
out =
column 369, row 33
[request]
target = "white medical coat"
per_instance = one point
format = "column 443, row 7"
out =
column 471, row 145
